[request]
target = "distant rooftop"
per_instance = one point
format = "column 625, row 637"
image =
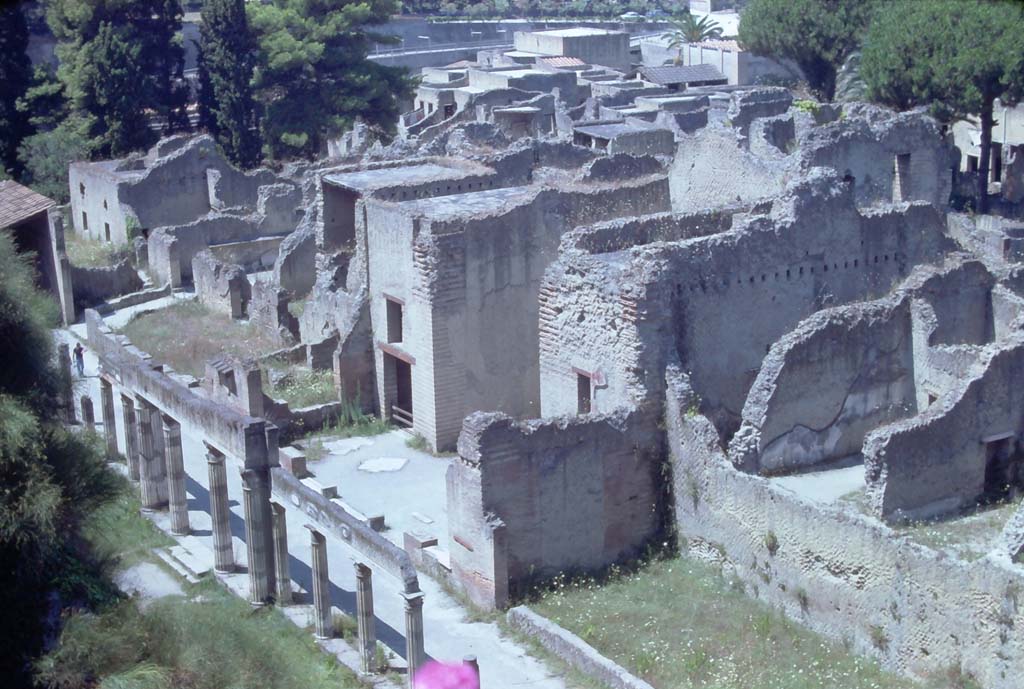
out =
column 577, row 31
column 465, row 206
column 369, row 180
column 18, row 203
column 561, row 61
column 682, row 74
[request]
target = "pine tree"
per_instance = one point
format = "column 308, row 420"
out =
column 226, row 64
column 15, row 76
column 314, row 79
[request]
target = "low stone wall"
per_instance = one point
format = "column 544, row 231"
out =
column 96, row 285
column 338, row 521
column 842, row 574
column 530, row 499
column 572, row 649
column 134, row 299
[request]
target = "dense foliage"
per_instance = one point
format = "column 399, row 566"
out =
column 313, row 78
column 121, row 61
column 956, row 56
column 49, row 478
column 228, row 54
column 688, row 28
column 818, row 35
column 15, row 76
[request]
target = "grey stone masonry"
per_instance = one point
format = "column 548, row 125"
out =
column 283, row 578
column 364, row 618
column 176, row 495
column 67, row 394
column 152, row 480
column 223, row 551
column 109, row 429
column 261, row 576
column 88, row 415
column 131, row 437
column 414, row 654
column 323, row 621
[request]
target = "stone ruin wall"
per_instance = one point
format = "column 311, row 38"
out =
column 529, row 499
column 842, row 575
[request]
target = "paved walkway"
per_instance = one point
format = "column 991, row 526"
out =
column 448, row 633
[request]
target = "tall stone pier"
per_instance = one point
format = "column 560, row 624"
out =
column 177, row 498
column 322, row 618
column 260, row 560
column 107, row 408
column 153, row 482
column 88, row 414
column 283, row 578
column 223, row 551
column 131, row 437
column 414, row 653
column 364, row 618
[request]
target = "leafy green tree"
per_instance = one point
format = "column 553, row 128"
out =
column 687, row 28
column 818, row 35
column 227, row 58
column 955, row 56
column 49, row 478
column 313, row 78
column 47, row 154
column 15, row 76
column 121, row 64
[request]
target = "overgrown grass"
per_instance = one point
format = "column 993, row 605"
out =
column 187, row 335
column 301, row 387
column 969, row 535
column 117, row 532
column 214, row 640
column 86, row 252
column 678, row 623
column 349, row 423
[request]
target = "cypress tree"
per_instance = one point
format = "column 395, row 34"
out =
column 227, row 57
column 15, row 76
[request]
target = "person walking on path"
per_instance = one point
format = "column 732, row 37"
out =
column 80, row 359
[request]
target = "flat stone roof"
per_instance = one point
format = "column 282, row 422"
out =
column 468, row 205
column 421, row 173
column 608, row 131
column 577, row 31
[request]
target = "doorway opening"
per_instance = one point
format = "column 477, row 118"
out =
column 399, row 396
column 1002, row 469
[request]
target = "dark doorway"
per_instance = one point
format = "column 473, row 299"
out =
column 339, row 217
column 1002, row 469
column 401, row 401
column 584, row 392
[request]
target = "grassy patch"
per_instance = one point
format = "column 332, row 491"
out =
column 677, row 623
column 117, row 532
column 349, row 423
column 86, row 252
column 187, row 335
column 301, row 387
column 215, row 640
column 969, row 535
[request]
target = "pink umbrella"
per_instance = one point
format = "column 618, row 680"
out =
column 436, row 675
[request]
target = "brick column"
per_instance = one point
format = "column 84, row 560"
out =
column 284, row 578
column 323, row 620
column 150, row 476
column 364, row 618
column 223, row 551
column 177, row 497
column 109, row 428
column 131, row 437
column 259, row 560
column 88, row 415
column 414, row 654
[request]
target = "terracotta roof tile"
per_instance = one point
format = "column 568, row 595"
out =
column 18, row 202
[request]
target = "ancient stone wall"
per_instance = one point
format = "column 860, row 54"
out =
column 93, row 286
column 843, row 575
column 221, row 286
column 564, row 495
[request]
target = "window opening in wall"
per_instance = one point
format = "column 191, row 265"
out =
column 394, row 316
column 85, row 220
column 106, row 231
column 901, row 178
column 972, row 163
column 584, row 393
column 81, row 189
column 104, row 204
column 997, row 162
column 227, row 380
column 931, row 399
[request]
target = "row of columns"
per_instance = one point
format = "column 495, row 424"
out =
column 154, row 454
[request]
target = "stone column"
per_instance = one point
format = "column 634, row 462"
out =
column 223, row 551
column 323, row 620
column 414, row 654
column 149, row 477
column 109, row 428
column 284, row 578
column 131, row 438
column 472, row 662
column 177, row 497
column 364, row 618
column 259, row 562
column 67, row 394
column 88, row 415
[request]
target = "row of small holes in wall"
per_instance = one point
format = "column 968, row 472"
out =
column 81, row 190
column 884, row 258
column 419, row 193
